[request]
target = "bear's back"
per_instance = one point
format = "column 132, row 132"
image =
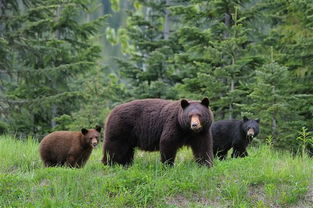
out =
column 56, row 145
column 141, row 121
column 225, row 131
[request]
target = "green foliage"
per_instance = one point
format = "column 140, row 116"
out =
column 266, row 178
column 305, row 140
column 96, row 102
column 270, row 100
column 291, row 38
column 250, row 57
column 147, row 47
column 218, row 56
column 48, row 48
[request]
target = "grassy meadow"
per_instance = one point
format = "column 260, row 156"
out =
column 267, row 178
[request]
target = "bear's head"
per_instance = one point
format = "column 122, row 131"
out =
column 91, row 136
column 196, row 116
column 250, row 127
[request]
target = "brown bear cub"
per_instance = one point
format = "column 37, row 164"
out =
column 159, row 125
column 71, row 148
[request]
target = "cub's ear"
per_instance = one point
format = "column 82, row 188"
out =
column 205, row 102
column 258, row 120
column 184, row 103
column 98, row 128
column 245, row 118
column 84, row 131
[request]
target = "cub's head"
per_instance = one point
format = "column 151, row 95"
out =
column 92, row 136
column 250, row 127
column 196, row 116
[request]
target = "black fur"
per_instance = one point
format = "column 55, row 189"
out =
column 229, row 134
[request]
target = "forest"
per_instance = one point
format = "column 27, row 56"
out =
column 64, row 64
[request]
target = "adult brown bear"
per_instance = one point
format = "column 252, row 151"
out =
column 71, row 148
column 156, row 124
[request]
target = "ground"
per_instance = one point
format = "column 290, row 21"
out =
column 267, row 178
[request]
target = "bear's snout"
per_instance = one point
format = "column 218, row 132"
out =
column 94, row 143
column 250, row 133
column 195, row 124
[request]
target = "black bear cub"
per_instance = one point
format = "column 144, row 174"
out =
column 236, row 134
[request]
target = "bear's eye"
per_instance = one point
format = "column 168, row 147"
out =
column 90, row 138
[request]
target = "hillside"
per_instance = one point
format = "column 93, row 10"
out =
column 267, row 178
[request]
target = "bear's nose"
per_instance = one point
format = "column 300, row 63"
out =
column 250, row 132
column 194, row 125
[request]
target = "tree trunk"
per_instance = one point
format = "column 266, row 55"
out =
column 166, row 30
column 232, row 88
column 274, row 121
column 274, row 126
column 2, row 9
column 54, row 107
column 227, row 23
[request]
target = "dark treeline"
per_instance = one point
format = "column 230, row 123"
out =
column 65, row 64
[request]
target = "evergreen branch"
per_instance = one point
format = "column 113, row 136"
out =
column 50, row 69
column 52, row 98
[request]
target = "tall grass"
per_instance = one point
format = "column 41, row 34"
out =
column 267, row 178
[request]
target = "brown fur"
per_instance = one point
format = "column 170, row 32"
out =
column 156, row 124
column 68, row 147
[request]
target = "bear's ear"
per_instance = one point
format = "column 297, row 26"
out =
column 84, row 131
column 245, row 118
column 98, row 128
column 258, row 120
column 205, row 102
column 184, row 103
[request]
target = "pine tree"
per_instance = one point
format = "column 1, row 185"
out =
column 218, row 53
column 291, row 37
column 49, row 50
column 146, row 66
column 272, row 102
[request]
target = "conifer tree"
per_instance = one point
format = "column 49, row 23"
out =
column 272, row 102
column 49, row 50
column 149, row 45
column 291, row 37
column 219, row 54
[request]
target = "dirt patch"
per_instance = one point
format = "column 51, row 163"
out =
column 183, row 201
column 178, row 200
column 307, row 201
column 256, row 194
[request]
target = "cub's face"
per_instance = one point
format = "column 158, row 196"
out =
column 92, row 136
column 250, row 127
column 196, row 115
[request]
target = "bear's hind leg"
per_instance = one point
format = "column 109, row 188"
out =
column 118, row 153
column 168, row 153
column 50, row 163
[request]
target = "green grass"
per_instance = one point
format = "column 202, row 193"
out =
column 267, row 178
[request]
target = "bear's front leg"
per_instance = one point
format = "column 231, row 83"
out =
column 239, row 153
column 222, row 154
column 202, row 148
